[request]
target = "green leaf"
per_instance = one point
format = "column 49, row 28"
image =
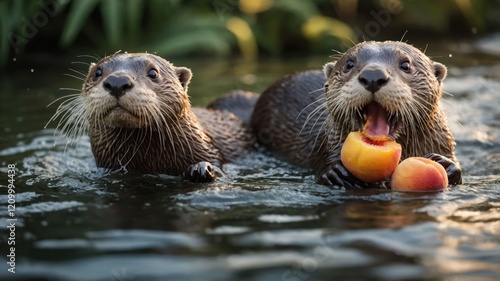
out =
column 4, row 32
column 78, row 14
column 135, row 10
column 196, row 41
column 15, row 14
column 299, row 8
column 111, row 11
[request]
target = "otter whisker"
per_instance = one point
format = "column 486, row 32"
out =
column 74, row 76
column 80, row 62
column 128, row 136
column 78, row 72
column 319, row 99
column 94, row 57
column 139, row 140
column 321, row 107
column 65, row 97
column 321, row 129
column 172, row 122
column 70, row 119
column 61, row 108
column 404, row 34
column 160, row 122
column 319, row 118
column 183, row 136
column 315, row 91
column 70, row 89
column 447, row 94
column 153, row 119
column 142, row 134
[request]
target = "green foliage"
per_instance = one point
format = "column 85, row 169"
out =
column 180, row 27
column 78, row 15
column 11, row 19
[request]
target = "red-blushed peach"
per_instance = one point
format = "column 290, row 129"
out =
column 419, row 174
column 370, row 159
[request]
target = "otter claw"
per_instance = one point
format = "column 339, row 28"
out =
column 200, row 172
column 337, row 174
column 452, row 169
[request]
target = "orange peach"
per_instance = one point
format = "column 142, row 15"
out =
column 419, row 174
column 370, row 159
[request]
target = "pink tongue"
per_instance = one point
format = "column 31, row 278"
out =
column 376, row 120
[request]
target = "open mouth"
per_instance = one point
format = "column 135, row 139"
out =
column 376, row 121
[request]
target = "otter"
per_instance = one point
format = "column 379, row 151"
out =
column 137, row 113
column 305, row 118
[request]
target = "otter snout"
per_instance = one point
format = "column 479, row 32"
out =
column 373, row 79
column 117, row 85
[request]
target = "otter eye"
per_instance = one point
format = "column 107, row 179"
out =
column 152, row 73
column 405, row 65
column 98, row 72
column 349, row 65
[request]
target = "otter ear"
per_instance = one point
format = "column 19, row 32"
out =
column 439, row 70
column 328, row 68
column 184, row 75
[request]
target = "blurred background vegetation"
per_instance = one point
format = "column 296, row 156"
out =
column 247, row 28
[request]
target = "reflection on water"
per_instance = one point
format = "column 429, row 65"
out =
column 266, row 220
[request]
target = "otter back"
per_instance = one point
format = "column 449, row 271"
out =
column 289, row 117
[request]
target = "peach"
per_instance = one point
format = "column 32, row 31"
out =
column 370, row 159
column 419, row 174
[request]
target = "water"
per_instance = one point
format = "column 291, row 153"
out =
column 266, row 220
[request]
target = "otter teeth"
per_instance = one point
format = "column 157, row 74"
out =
column 391, row 120
column 362, row 117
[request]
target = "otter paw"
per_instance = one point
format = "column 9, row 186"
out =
column 200, row 172
column 452, row 169
column 337, row 174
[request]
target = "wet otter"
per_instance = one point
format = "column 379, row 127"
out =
column 137, row 113
column 305, row 117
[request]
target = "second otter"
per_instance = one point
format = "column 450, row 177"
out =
column 306, row 117
column 137, row 113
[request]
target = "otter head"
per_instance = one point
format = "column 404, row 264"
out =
column 386, row 88
column 134, row 91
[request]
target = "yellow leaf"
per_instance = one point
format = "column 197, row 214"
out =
column 318, row 26
column 255, row 6
column 244, row 36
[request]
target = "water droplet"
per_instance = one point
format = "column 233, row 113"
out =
column 32, row 70
column 450, row 55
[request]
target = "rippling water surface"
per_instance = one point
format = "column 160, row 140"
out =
column 266, row 220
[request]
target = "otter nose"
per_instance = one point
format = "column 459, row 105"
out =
column 117, row 85
column 373, row 79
